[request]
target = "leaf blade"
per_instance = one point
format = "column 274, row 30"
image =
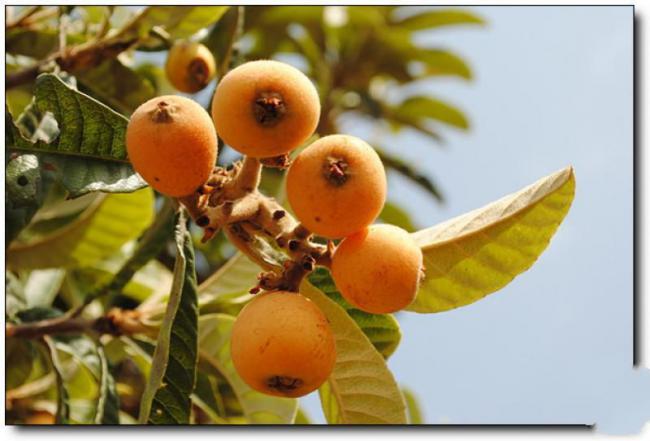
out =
column 475, row 254
column 361, row 389
column 167, row 396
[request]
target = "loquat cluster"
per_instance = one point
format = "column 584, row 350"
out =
column 282, row 343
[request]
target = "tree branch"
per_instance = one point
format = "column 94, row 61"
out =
column 115, row 322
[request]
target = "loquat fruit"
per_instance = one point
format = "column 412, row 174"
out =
column 265, row 108
column 336, row 186
column 172, row 144
column 282, row 344
column 378, row 269
column 190, row 66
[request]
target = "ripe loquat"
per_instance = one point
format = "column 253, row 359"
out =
column 282, row 344
column 265, row 108
column 378, row 269
column 190, row 66
column 337, row 186
column 172, row 144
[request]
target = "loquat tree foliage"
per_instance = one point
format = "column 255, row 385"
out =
column 210, row 258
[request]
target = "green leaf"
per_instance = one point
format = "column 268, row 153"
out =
column 227, row 290
column 420, row 108
column 63, row 401
column 42, row 286
column 148, row 246
column 413, row 407
column 396, row 215
column 214, row 343
column 301, row 417
column 87, row 127
column 438, row 18
column 441, row 62
column 406, row 170
column 37, row 43
column 108, row 223
column 177, row 21
column 221, row 38
column 20, row 355
column 381, row 329
column 81, row 176
column 83, row 139
column 117, row 85
column 108, row 404
column 361, row 389
column 24, row 192
column 478, row 253
column 166, row 399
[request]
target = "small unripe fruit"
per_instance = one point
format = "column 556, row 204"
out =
column 265, row 108
column 378, row 270
column 172, row 144
column 337, row 186
column 190, row 66
column 282, row 344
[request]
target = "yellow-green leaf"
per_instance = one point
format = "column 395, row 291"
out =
column 227, row 289
column 480, row 252
column 109, row 222
column 361, row 389
column 214, row 347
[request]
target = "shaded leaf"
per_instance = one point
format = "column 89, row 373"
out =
column 166, row 399
column 36, row 43
column 108, row 223
column 480, row 252
column 227, row 289
column 177, row 21
column 83, row 139
column 438, row 18
column 116, row 85
column 214, row 343
column 361, row 389
column 108, row 403
column 221, row 38
column 62, row 402
column 381, row 329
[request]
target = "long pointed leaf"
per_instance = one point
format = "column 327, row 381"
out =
column 475, row 254
column 361, row 389
column 166, row 399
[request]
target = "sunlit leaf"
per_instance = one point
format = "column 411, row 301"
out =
column 177, row 21
column 475, row 254
column 425, row 107
column 214, row 344
column 441, row 62
column 42, row 286
column 413, row 407
column 101, row 230
column 361, row 389
column 438, row 18
column 228, row 287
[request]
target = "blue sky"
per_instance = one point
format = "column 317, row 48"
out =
column 553, row 87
